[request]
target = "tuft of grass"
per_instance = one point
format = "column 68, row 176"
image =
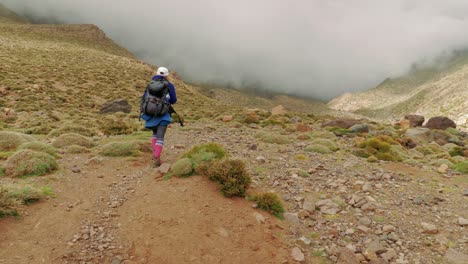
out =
column 318, row 149
column 182, row 168
column 269, row 202
column 272, row 138
column 40, row 147
column 205, row 153
column 231, row 175
column 10, row 141
column 462, row 167
column 456, row 151
column 12, row 197
column 66, row 140
column 326, row 142
column 379, row 147
column 73, row 128
column 121, row 149
column 75, row 149
column 30, row 163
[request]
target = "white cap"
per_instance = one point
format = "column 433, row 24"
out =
column 163, row 71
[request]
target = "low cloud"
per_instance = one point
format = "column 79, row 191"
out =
column 310, row 48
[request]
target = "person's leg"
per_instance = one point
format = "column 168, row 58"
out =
column 158, row 141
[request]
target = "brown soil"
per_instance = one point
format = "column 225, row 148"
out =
column 142, row 219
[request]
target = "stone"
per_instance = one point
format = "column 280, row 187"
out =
column 378, row 261
column 419, row 135
column 223, row 232
column 253, row 146
column 76, row 170
column 341, row 123
column 261, row 159
column 303, row 214
column 119, row 105
column 308, row 204
column 292, row 219
column 301, row 127
column 454, row 257
column 465, row 192
column 359, row 128
column 388, row 228
column 404, row 124
column 278, row 110
column 367, row 187
column 3, row 90
column 304, row 242
column 375, row 247
column 297, row 254
column 429, row 228
column 443, row 168
column 440, row 122
column 462, row 221
column 327, row 206
column 363, row 229
column 415, row 120
column 164, row 168
column 228, row 118
column 365, row 221
column 346, row 256
column 260, row 218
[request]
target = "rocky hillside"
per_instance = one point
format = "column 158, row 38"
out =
column 426, row 91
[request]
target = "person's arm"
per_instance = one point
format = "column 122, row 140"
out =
column 172, row 94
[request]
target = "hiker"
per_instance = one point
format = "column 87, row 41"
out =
column 156, row 104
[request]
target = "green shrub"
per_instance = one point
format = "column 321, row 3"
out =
column 326, row 142
column 30, row 163
column 379, row 147
column 10, row 141
column 40, row 147
column 269, row 202
column 8, row 205
column 272, row 138
column 66, row 140
column 205, row 153
column 456, row 151
column 318, row 149
column 13, row 196
column 231, row 175
column 462, row 167
column 121, row 149
column 182, row 168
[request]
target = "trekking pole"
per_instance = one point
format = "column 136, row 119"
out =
column 172, row 110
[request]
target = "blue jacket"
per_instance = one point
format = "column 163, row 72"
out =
column 165, row 119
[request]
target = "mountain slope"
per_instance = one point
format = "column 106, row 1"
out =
column 425, row 91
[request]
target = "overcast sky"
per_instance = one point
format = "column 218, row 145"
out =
column 316, row 48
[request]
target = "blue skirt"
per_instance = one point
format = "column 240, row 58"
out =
column 164, row 120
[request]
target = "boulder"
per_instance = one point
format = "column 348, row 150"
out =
column 341, row 123
column 297, row 254
column 327, row 206
column 418, row 135
column 440, row 122
column 415, row 120
column 228, row 118
column 119, row 105
column 359, row 128
column 278, row 110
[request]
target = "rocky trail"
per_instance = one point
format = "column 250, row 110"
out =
column 114, row 210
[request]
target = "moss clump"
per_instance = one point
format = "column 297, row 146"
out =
column 462, row 167
column 121, row 149
column 318, row 149
column 303, row 137
column 433, row 149
column 73, row 128
column 30, row 163
column 326, row 142
column 40, row 147
column 338, row 131
column 379, row 147
column 317, row 134
column 13, row 196
column 66, row 140
column 251, row 119
column 231, row 175
column 453, row 131
column 372, row 159
column 10, row 141
column 456, row 151
column 75, row 149
column 269, row 202
column 182, row 168
column 204, row 153
column 272, row 138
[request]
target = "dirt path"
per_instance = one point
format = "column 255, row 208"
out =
column 120, row 211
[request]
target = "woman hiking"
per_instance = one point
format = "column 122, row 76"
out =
column 156, row 101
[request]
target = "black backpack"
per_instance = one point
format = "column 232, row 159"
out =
column 154, row 101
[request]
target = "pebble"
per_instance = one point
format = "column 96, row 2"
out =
column 365, row 221
column 462, row 221
column 76, row 170
column 429, row 228
column 261, row 159
column 297, row 254
column 367, row 187
column 260, row 218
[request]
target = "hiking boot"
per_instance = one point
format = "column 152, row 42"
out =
column 157, row 161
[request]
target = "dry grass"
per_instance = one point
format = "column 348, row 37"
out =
column 30, row 163
column 70, row 139
column 10, row 141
